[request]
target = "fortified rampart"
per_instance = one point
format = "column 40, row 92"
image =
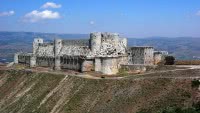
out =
column 141, row 55
column 102, row 52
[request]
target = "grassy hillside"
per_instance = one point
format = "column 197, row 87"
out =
column 25, row 92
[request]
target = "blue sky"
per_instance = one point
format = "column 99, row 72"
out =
column 132, row 18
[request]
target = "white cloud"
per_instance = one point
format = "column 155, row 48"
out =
column 92, row 22
column 35, row 15
column 51, row 5
column 198, row 13
column 8, row 13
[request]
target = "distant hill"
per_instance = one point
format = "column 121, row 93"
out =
column 182, row 47
column 12, row 42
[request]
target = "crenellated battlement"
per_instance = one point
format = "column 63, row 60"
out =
column 102, row 52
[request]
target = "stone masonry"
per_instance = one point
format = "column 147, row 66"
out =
column 102, row 52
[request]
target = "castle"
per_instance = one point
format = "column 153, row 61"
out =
column 102, row 52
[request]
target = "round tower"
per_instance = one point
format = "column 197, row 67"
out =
column 36, row 43
column 32, row 61
column 115, row 38
column 16, row 58
column 57, row 49
column 95, row 42
column 58, row 46
column 124, row 42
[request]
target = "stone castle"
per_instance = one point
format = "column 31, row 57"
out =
column 102, row 52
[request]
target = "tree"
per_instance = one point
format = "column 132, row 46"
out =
column 169, row 60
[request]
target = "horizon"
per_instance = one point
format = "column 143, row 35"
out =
column 91, row 32
column 131, row 18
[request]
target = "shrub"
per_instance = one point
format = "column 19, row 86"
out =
column 195, row 83
column 179, row 110
column 194, row 109
column 197, row 106
column 169, row 60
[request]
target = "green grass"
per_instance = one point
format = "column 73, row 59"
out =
column 123, row 72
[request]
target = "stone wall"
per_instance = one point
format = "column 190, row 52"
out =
column 141, row 55
column 71, row 62
column 103, row 52
column 95, row 42
column 122, row 60
column 159, row 56
column 43, row 51
column 136, row 55
column 109, row 65
column 36, row 43
column 99, row 45
column 87, row 65
column 45, row 61
column 57, row 47
column 33, row 61
column 80, row 42
column 24, row 59
column 16, row 58
column 107, row 44
column 97, row 64
column 149, row 56
column 74, row 50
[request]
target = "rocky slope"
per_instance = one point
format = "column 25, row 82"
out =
column 26, row 92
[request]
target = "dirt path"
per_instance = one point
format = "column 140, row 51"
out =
column 138, row 76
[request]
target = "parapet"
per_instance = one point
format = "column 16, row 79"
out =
column 81, row 42
column 38, row 40
column 104, row 35
column 161, row 52
column 107, row 44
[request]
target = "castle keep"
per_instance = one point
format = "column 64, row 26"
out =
column 102, row 52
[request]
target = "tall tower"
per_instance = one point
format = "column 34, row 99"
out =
column 95, row 45
column 95, row 42
column 16, row 59
column 57, row 49
column 33, row 61
column 36, row 43
column 115, row 39
column 124, row 41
